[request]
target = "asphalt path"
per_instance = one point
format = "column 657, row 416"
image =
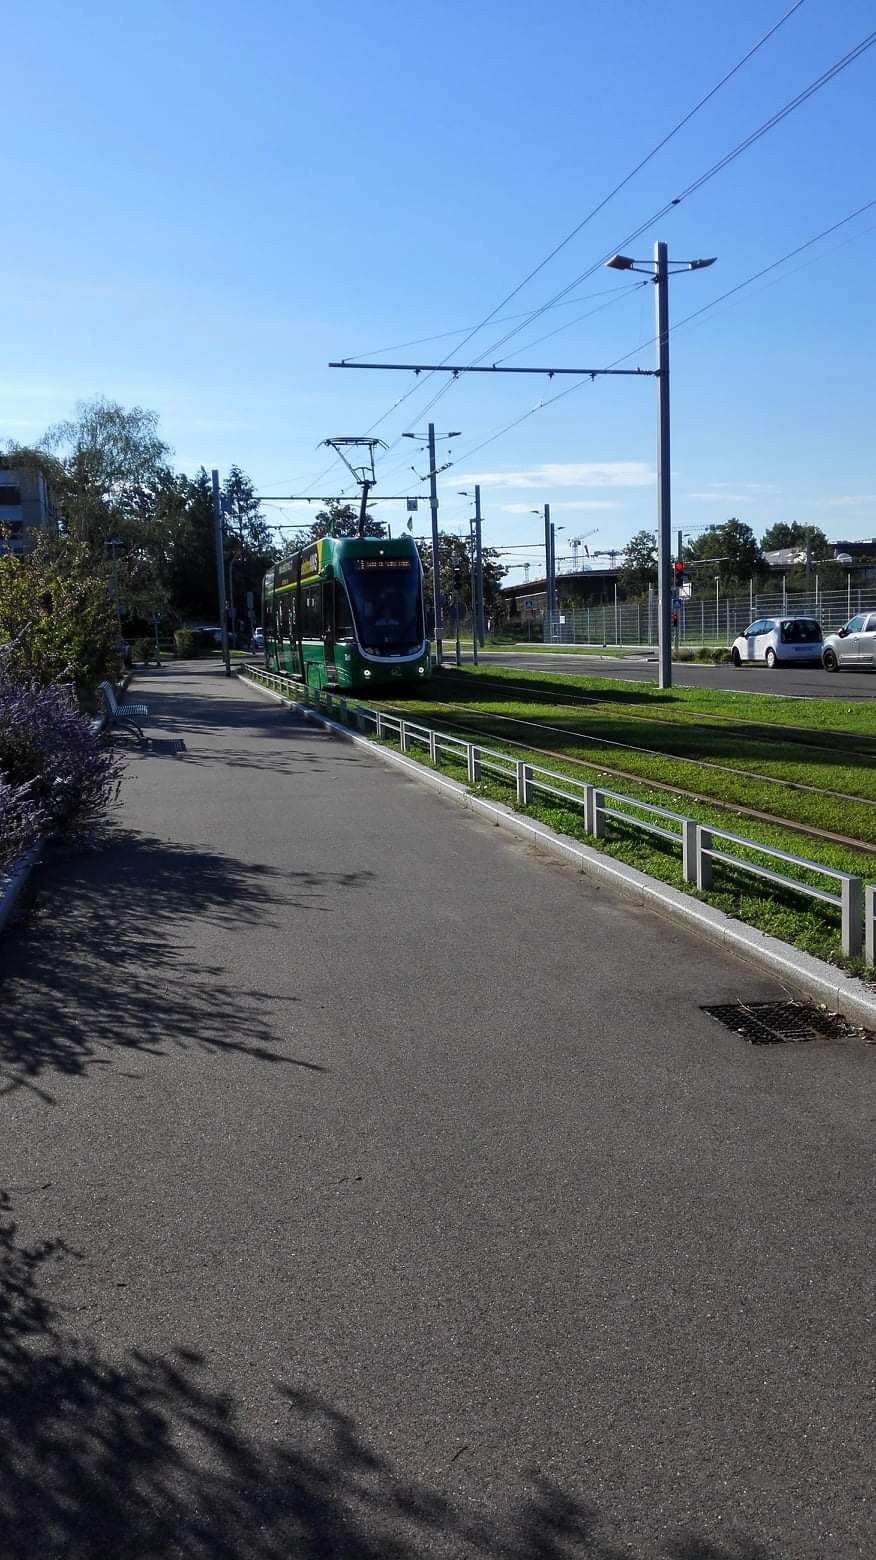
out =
column 788, row 682
column 381, row 1190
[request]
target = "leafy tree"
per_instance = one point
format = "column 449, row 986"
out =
column 56, row 616
column 102, row 454
column 731, row 550
column 342, row 520
column 450, row 547
column 639, row 567
column 784, row 534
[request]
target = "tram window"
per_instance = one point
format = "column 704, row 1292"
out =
column 284, row 618
column 312, row 613
column 343, row 616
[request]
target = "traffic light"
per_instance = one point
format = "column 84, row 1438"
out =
column 456, row 569
column 678, row 567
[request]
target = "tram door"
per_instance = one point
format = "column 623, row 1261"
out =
column 328, row 631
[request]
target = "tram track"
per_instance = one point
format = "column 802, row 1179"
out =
column 797, row 735
column 682, row 758
column 737, row 809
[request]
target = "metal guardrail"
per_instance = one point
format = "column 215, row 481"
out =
column 856, row 905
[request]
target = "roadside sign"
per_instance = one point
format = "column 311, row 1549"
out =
column 412, row 506
column 686, row 591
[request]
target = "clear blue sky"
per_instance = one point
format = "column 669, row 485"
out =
column 205, row 202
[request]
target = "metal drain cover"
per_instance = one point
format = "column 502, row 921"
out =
column 772, row 1023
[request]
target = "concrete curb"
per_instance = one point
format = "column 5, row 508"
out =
column 812, row 977
column 12, row 885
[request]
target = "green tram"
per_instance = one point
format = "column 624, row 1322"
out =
column 347, row 613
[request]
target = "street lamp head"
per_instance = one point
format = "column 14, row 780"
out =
column 700, row 265
column 620, row 263
column 457, row 435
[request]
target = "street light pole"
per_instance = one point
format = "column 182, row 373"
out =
column 659, row 269
column 436, row 570
column 479, row 570
column 220, row 571
column 664, row 485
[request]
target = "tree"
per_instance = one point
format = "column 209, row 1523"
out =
column 102, row 454
column 341, row 520
column 731, row 551
column 56, row 615
column 450, row 547
column 639, row 567
column 786, row 534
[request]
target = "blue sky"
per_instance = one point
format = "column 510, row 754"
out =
column 207, row 202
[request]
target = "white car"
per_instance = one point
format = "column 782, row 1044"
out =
column 854, row 645
column 779, row 641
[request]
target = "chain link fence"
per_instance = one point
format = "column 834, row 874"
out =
column 706, row 621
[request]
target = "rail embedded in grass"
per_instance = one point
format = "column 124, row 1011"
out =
column 597, row 806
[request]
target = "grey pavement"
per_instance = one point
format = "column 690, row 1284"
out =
column 788, row 682
column 380, row 1190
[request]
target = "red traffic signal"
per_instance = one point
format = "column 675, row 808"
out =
column 678, row 567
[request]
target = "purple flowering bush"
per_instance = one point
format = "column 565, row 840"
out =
column 55, row 776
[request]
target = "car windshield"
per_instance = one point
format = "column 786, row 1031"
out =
column 385, row 597
column 801, row 631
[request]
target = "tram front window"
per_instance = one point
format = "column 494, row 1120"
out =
column 386, row 606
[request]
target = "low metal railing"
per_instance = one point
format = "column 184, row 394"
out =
column 856, row 906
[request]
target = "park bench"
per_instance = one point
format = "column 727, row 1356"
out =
column 123, row 714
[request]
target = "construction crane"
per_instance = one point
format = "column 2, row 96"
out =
column 578, row 541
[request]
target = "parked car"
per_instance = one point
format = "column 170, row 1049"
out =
column 779, row 641
column 258, row 641
column 854, row 645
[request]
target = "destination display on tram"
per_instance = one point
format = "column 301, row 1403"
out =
column 366, row 565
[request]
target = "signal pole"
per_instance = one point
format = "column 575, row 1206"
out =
column 548, row 594
column 664, row 486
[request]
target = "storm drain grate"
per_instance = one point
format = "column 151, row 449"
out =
column 772, row 1023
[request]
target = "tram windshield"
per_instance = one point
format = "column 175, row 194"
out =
column 387, row 607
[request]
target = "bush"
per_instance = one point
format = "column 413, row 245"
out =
column 683, row 653
column 22, row 821
column 142, row 650
column 56, row 616
column 184, row 644
column 704, row 653
column 721, row 656
column 55, row 773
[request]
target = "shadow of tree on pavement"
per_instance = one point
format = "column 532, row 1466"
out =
column 143, row 1458
column 104, row 963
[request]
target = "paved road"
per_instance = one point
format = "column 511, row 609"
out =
column 400, row 1199
column 791, row 682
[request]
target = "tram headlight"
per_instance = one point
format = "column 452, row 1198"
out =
column 366, row 672
column 421, row 670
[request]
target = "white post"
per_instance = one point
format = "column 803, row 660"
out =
column 403, row 735
column 689, row 850
column 524, row 783
column 473, row 756
column 433, row 747
column 870, row 924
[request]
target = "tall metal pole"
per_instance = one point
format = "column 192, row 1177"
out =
column 436, row 569
column 554, row 608
column 474, row 592
column 664, row 488
column 220, row 571
column 479, row 568
column 547, row 568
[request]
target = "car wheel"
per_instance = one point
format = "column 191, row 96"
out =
column 829, row 661
column 735, row 657
column 770, row 658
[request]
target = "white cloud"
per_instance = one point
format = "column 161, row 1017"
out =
column 565, row 504
column 592, row 474
column 852, row 500
column 720, row 498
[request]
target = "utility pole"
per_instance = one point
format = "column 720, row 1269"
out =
column 479, row 570
column 220, row 571
column 680, row 558
column 548, row 569
column 436, row 569
column 664, row 486
column 474, row 591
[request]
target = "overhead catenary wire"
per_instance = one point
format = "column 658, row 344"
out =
column 695, row 314
column 748, row 141
column 595, row 210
